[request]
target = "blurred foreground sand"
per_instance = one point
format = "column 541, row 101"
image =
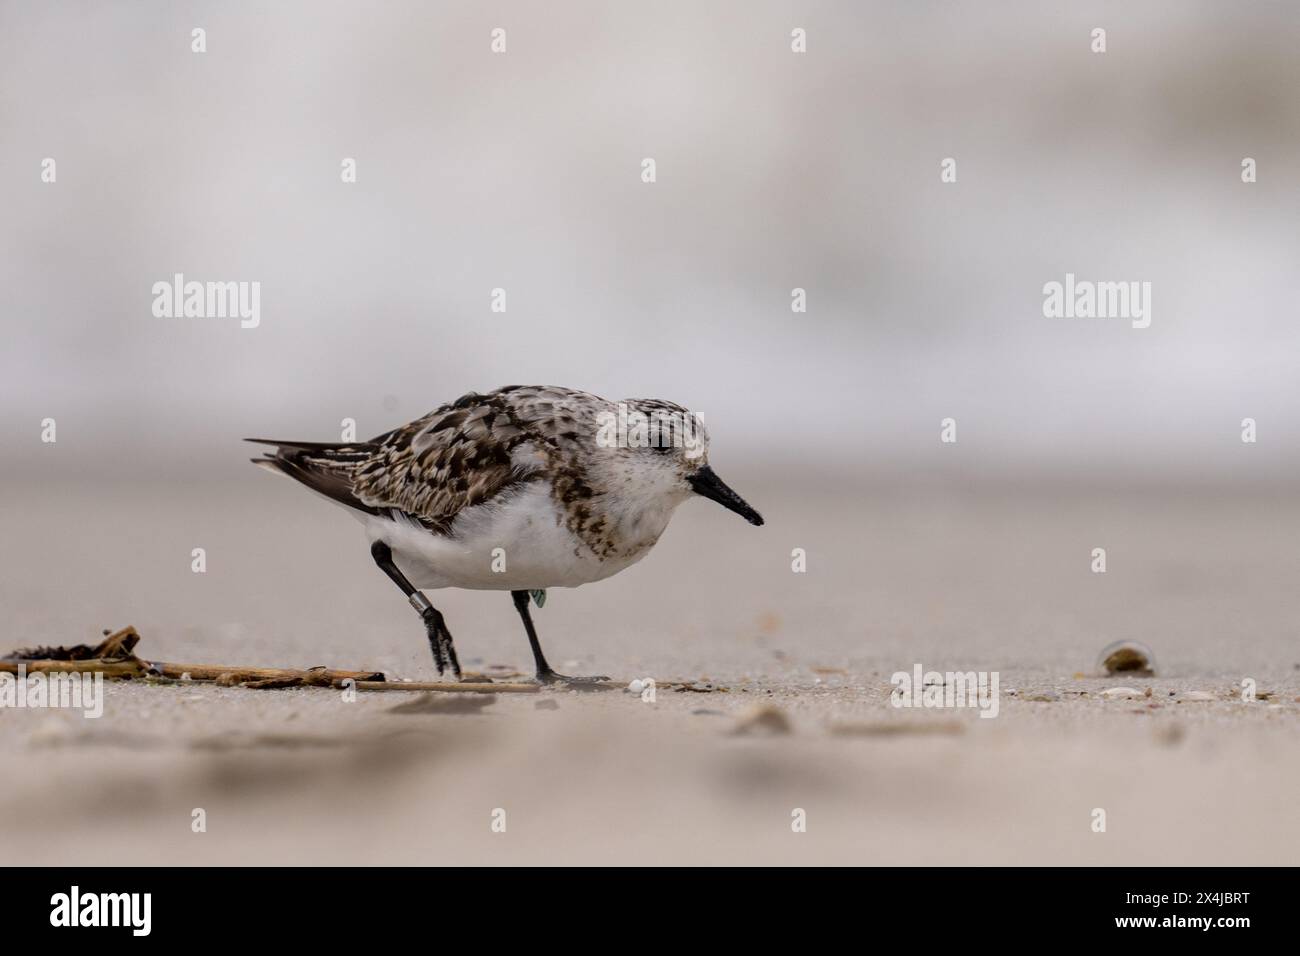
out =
column 991, row 579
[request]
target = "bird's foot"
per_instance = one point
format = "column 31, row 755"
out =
column 550, row 678
column 444, row 652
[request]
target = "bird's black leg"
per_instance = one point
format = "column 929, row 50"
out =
column 444, row 652
column 544, row 673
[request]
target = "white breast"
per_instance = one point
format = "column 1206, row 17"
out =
column 517, row 543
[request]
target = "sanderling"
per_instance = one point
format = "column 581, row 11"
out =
column 520, row 490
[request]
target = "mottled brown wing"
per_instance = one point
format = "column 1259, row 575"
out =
column 463, row 453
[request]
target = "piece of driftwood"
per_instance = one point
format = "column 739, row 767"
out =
column 116, row 646
column 107, row 668
column 115, row 657
column 312, row 677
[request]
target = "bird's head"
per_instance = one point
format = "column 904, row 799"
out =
column 666, row 447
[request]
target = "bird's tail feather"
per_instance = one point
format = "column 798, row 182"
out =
column 323, row 467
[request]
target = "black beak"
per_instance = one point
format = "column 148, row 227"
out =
column 710, row 486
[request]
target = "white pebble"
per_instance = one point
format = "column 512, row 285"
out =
column 636, row 686
column 1121, row 693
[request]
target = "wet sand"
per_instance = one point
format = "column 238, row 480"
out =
column 987, row 579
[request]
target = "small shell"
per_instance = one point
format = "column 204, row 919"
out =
column 1127, row 657
column 1121, row 693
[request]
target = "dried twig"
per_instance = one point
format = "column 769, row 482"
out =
column 132, row 668
column 114, row 657
column 314, row 677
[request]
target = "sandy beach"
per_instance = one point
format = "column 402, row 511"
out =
column 788, row 707
column 840, row 233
